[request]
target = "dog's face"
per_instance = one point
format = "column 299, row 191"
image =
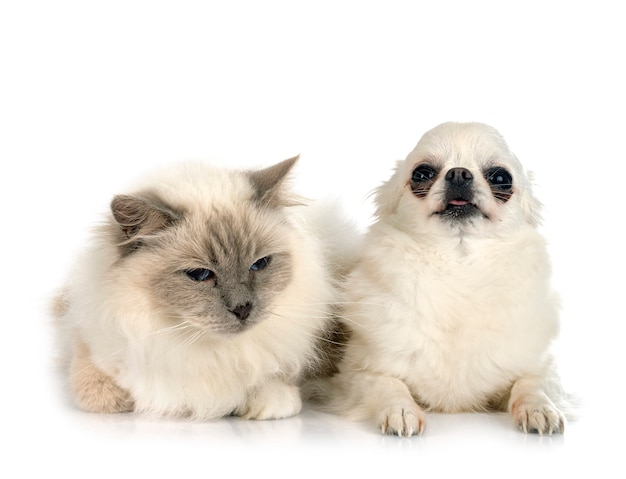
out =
column 460, row 177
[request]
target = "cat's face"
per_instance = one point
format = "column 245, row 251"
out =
column 209, row 265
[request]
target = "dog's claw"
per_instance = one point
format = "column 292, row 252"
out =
column 403, row 422
column 539, row 418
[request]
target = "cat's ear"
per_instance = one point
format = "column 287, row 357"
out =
column 267, row 182
column 141, row 216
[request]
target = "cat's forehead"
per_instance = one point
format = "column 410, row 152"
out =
column 234, row 234
column 230, row 234
column 195, row 186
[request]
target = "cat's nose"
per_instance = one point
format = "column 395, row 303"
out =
column 242, row 311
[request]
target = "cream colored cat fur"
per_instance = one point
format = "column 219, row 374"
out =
column 207, row 292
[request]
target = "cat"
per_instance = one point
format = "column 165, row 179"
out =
column 207, row 292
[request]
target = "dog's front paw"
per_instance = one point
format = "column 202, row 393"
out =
column 537, row 416
column 274, row 400
column 406, row 420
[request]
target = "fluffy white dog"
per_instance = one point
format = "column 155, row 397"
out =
column 450, row 305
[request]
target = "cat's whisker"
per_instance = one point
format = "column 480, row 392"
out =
column 306, row 315
column 186, row 332
column 176, row 328
column 332, row 305
column 291, row 317
column 193, row 338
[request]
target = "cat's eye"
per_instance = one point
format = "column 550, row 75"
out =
column 423, row 173
column 200, row 274
column 260, row 264
column 499, row 178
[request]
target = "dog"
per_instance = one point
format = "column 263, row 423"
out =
column 450, row 307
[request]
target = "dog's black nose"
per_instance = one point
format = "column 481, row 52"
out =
column 459, row 176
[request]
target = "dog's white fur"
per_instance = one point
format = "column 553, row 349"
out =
column 452, row 316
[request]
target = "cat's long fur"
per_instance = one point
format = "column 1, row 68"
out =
column 141, row 335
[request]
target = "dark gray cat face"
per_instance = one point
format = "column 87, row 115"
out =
column 213, row 268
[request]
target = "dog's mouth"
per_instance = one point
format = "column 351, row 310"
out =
column 459, row 209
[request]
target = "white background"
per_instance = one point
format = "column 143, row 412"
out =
column 92, row 94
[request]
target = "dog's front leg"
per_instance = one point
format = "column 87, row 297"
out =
column 389, row 402
column 532, row 409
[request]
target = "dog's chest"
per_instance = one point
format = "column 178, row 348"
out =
column 471, row 327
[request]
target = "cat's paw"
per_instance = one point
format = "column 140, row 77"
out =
column 402, row 420
column 538, row 416
column 95, row 391
column 274, row 400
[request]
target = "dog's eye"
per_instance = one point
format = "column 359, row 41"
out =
column 499, row 178
column 423, row 173
column 200, row 274
column 260, row 264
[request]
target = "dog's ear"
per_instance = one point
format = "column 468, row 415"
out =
column 387, row 196
column 531, row 206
